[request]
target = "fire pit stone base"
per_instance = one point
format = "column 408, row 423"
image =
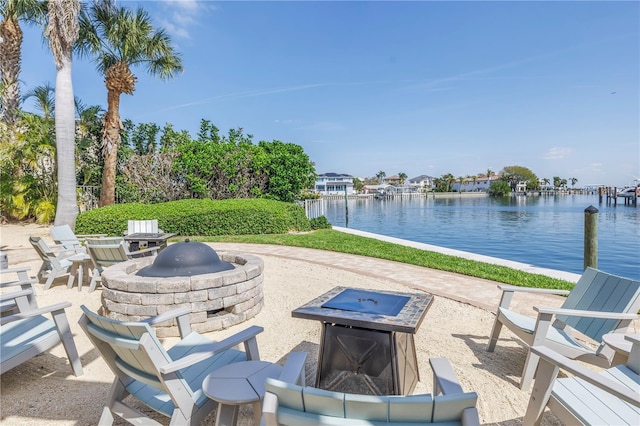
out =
column 217, row 300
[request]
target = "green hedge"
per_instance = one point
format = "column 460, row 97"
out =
column 200, row 217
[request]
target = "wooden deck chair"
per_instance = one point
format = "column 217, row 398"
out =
column 64, row 235
column 109, row 251
column 54, row 263
column 143, row 227
column 168, row 381
column 600, row 303
column 28, row 332
column 609, row 397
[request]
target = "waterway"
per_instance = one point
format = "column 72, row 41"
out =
column 544, row 231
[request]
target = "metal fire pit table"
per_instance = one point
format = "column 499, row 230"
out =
column 143, row 240
column 367, row 344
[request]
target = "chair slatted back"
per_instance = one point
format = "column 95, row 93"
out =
column 600, row 291
column 63, row 234
column 131, row 349
column 107, row 251
column 142, row 226
column 46, row 254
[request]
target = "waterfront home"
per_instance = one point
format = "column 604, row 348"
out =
column 474, row 184
column 422, row 182
column 334, row 183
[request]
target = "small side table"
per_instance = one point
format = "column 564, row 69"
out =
column 618, row 343
column 79, row 271
column 238, row 383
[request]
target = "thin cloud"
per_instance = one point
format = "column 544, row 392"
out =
column 557, row 153
column 239, row 95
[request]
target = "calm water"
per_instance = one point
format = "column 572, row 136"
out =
column 542, row 231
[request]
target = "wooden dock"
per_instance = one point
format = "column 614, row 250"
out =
column 612, row 193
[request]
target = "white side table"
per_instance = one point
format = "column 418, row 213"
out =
column 238, row 383
column 79, row 271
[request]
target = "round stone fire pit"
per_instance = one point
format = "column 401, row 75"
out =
column 217, row 300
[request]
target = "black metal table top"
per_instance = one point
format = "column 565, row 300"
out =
column 148, row 236
column 407, row 320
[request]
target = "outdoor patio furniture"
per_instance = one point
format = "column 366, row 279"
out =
column 109, row 251
column 286, row 403
column 243, row 383
column 64, row 235
column 609, row 397
column 29, row 332
column 168, row 381
column 54, row 263
column 600, row 303
column 143, row 227
column 22, row 280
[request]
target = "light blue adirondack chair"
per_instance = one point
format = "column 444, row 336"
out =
column 29, row 332
column 609, row 397
column 600, row 303
column 54, row 263
column 109, row 251
column 286, row 403
column 64, row 235
column 168, row 381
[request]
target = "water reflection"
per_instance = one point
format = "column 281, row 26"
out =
column 546, row 231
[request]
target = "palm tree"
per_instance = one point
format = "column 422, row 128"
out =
column 62, row 32
column 380, row 176
column 403, row 177
column 573, row 182
column 45, row 99
column 118, row 39
column 12, row 12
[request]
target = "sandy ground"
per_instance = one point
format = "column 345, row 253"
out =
column 43, row 390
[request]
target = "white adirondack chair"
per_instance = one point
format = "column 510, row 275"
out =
column 28, row 332
column 143, row 227
column 167, row 380
column 600, row 303
column 610, row 397
column 109, row 251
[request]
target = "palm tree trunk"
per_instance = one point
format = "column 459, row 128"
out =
column 67, row 208
column 10, row 57
column 110, row 143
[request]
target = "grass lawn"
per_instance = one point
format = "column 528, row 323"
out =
column 327, row 239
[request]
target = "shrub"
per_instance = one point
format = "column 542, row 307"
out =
column 200, row 217
column 319, row 223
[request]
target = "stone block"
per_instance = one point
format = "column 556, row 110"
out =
column 206, row 281
column 157, row 299
column 174, row 285
column 141, row 286
column 226, row 291
column 142, row 310
column 192, row 296
column 209, row 305
column 233, row 277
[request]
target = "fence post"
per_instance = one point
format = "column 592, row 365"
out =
column 591, row 237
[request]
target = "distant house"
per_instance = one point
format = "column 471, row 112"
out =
column 477, row 184
column 334, row 183
column 422, row 182
column 391, row 180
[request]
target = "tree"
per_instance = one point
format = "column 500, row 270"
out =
column 118, row 40
column 358, row 185
column 499, row 188
column 62, row 32
column 557, row 181
column 546, row 182
column 573, row 181
column 403, row 177
column 516, row 174
column 380, row 176
column 11, row 52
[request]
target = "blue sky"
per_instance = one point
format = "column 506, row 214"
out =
column 420, row 87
